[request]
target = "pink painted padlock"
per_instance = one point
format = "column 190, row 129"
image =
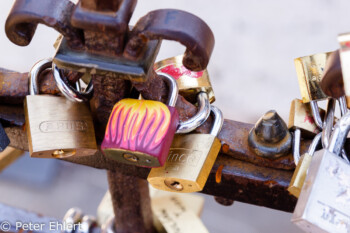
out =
column 140, row 132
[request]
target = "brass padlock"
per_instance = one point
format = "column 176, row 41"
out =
column 344, row 53
column 190, row 160
column 300, row 117
column 190, row 83
column 300, row 172
column 310, row 70
column 56, row 127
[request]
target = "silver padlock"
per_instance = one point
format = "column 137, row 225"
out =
column 324, row 202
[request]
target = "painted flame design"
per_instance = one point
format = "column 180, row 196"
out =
column 138, row 125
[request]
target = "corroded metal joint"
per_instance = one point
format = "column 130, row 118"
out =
column 270, row 137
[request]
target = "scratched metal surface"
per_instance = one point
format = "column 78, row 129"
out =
column 256, row 42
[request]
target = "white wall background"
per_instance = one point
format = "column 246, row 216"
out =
column 252, row 71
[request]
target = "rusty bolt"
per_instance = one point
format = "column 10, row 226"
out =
column 270, row 137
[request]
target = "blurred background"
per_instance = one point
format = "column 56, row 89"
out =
column 251, row 69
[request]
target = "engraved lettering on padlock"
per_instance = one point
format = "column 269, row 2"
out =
column 62, row 126
column 184, row 156
column 190, row 161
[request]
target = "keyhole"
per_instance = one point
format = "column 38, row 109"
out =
column 63, row 153
column 131, row 158
column 174, row 185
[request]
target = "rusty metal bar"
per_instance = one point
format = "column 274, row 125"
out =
column 240, row 180
column 127, row 192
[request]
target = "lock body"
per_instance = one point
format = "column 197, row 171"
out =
column 190, row 83
column 118, row 67
column 345, row 59
column 300, row 117
column 189, row 163
column 324, row 202
column 140, row 132
column 57, row 127
column 310, row 70
column 299, row 175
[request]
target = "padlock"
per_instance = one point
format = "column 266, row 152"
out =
column 300, row 117
column 190, row 83
column 303, row 164
column 140, row 132
column 56, row 127
column 344, row 53
column 4, row 139
column 190, row 160
column 310, row 70
column 324, row 201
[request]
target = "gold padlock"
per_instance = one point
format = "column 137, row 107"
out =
column 303, row 165
column 190, row 83
column 190, row 160
column 344, row 53
column 300, row 117
column 56, row 127
column 310, row 71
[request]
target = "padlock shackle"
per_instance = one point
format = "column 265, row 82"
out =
column 34, row 74
column 328, row 123
column 296, row 145
column 340, row 132
column 173, row 88
column 67, row 90
column 200, row 117
column 316, row 113
column 218, row 121
column 315, row 142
